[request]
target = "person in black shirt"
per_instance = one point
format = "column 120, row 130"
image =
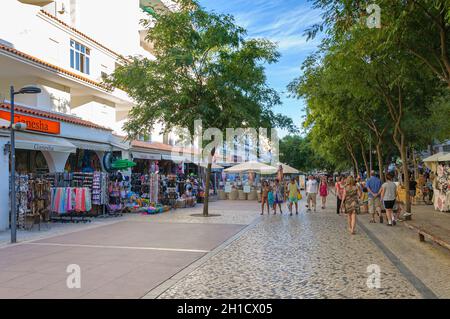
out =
column 412, row 189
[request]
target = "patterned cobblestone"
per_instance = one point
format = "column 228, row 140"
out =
column 307, row 256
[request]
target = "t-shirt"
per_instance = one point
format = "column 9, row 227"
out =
column 389, row 191
column 293, row 190
column 311, row 186
column 412, row 185
column 374, row 185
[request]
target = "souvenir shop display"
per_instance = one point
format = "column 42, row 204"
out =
column 39, row 200
column 33, row 201
column 442, row 188
column 70, row 203
column 99, row 189
column 119, row 190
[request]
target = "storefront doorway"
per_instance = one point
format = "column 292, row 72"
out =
column 84, row 161
column 28, row 161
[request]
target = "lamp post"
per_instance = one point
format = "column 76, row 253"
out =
column 13, row 127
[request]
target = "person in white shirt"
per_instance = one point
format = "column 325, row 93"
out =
column 311, row 191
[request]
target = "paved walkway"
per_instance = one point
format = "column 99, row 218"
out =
column 306, row 256
column 236, row 255
column 123, row 258
column 433, row 223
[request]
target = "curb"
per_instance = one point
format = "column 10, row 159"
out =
column 426, row 292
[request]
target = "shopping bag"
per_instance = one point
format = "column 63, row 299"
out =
column 299, row 196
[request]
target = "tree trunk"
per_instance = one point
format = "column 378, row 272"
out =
column 380, row 161
column 208, row 184
column 364, row 157
column 404, row 157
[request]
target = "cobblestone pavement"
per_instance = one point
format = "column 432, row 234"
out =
column 306, row 256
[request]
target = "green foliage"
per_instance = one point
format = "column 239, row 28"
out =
column 298, row 152
column 204, row 69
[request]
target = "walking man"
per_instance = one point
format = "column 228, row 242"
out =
column 311, row 190
column 373, row 186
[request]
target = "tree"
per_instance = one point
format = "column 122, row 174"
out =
column 204, row 70
column 407, row 24
column 298, row 152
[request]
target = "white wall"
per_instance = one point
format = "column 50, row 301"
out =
column 4, row 186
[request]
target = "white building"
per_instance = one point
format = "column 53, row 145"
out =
column 65, row 48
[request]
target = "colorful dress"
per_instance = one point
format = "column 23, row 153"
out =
column 351, row 200
column 323, row 191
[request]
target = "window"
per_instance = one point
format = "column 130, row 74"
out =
column 79, row 57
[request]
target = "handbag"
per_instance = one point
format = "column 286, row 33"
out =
column 299, row 196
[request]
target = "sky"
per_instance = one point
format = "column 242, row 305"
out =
column 283, row 22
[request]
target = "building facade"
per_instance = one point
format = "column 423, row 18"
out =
column 66, row 48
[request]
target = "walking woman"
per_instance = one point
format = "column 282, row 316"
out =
column 323, row 191
column 278, row 197
column 350, row 200
column 265, row 197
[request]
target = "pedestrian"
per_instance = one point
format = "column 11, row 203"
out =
column 351, row 204
column 412, row 189
column 373, row 185
column 265, row 197
column 311, row 192
column 323, row 190
column 270, row 196
column 293, row 195
column 339, row 191
column 278, row 193
column 388, row 194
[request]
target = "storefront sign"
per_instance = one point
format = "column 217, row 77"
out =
column 146, row 156
column 34, row 123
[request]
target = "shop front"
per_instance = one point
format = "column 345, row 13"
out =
column 59, row 167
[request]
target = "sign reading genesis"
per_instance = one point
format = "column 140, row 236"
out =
column 34, row 123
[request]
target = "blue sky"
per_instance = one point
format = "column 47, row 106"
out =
column 284, row 22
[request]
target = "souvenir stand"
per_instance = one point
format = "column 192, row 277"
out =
column 440, row 166
column 245, row 186
column 33, row 200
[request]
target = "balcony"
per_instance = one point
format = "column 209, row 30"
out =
column 39, row 3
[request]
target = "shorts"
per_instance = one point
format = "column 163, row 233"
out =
column 293, row 199
column 311, row 196
column 278, row 200
column 374, row 203
column 389, row 204
column 412, row 193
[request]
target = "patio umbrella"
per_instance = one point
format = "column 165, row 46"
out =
column 252, row 166
column 288, row 169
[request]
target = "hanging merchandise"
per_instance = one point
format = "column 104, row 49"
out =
column 66, row 200
column 100, row 189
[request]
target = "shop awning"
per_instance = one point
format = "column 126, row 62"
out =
column 146, row 156
column 439, row 157
column 92, row 146
column 44, row 143
column 175, row 158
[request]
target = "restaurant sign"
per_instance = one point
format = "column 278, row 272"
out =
column 34, row 123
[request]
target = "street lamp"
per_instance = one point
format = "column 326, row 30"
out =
column 24, row 90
